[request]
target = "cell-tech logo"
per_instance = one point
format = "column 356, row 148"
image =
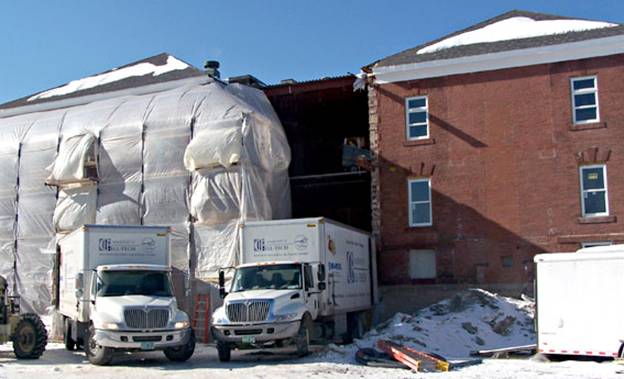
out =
column 258, row 244
column 104, row 244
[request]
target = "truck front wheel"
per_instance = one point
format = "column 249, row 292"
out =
column 302, row 340
column 97, row 355
column 224, row 351
column 182, row 353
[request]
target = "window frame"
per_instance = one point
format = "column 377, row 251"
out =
column 573, row 92
column 409, row 110
column 410, row 202
column 605, row 188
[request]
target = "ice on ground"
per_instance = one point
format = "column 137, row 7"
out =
column 472, row 320
column 515, row 28
column 139, row 69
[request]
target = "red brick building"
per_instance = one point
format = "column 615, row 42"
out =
column 496, row 143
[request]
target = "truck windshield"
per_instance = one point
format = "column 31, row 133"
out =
column 120, row 283
column 281, row 276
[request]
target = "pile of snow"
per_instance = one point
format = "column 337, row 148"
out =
column 472, row 320
column 139, row 69
column 515, row 28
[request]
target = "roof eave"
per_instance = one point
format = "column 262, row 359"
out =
column 505, row 59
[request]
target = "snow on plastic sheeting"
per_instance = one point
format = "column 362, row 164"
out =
column 74, row 153
column 35, row 261
column 218, row 145
column 118, row 204
column 35, row 213
column 165, row 200
column 75, row 207
column 216, row 247
column 515, row 28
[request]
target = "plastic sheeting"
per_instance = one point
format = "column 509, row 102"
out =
column 75, row 207
column 236, row 156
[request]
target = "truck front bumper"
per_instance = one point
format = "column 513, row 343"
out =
column 259, row 333
column 137, row 340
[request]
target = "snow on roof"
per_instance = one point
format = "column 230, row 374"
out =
column 515, row 28
column 140, row 69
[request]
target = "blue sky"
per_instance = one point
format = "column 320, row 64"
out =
column 47, row 43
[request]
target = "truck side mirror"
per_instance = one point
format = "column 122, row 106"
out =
column 322, row 286
column 321, row 273
column 222, row 292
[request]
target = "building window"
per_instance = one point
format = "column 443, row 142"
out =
column 422, row 264
column 419, row 202
column 584, row 99
column 594, row 197
column 417, row 117
column 596, row 243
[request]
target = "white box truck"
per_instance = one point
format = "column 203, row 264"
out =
column 115, row 293
column 298, row 279
column 579, row 308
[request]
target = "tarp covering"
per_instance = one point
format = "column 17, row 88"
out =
column 199, row 158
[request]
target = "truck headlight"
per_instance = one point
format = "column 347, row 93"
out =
column 286, row 317
column 106, row 325
column 181, row 325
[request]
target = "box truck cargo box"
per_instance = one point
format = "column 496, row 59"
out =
column 579, row 309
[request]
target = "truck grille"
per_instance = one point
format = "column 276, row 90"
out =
column 255, row 310
column 146, row 319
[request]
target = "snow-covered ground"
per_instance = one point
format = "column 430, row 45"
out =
column 56, row 363
column 472, row 320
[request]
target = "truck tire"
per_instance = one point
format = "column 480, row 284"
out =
column 181, row 353
column 69, row 343
column 302, row 340
column 225, row 353
column 30, row 337
column 96, row 354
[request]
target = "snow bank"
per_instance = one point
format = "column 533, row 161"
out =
column 515, row 28
column 472, row 320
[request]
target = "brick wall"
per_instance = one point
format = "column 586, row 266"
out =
column 503, row 159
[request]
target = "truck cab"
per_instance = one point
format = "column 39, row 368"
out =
column 269, row 304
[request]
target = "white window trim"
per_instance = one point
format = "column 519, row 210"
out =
column 581, row 92
column 409, row 110
column 596, row 243
column 410, row 202
column 606, row 189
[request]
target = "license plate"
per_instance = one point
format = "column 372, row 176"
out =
column 147, row 346
column 249, row 339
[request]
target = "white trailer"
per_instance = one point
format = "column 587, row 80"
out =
column 296, row 274
column 579, row 306
column 115, row 293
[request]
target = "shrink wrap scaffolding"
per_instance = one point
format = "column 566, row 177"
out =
column 199, row 158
